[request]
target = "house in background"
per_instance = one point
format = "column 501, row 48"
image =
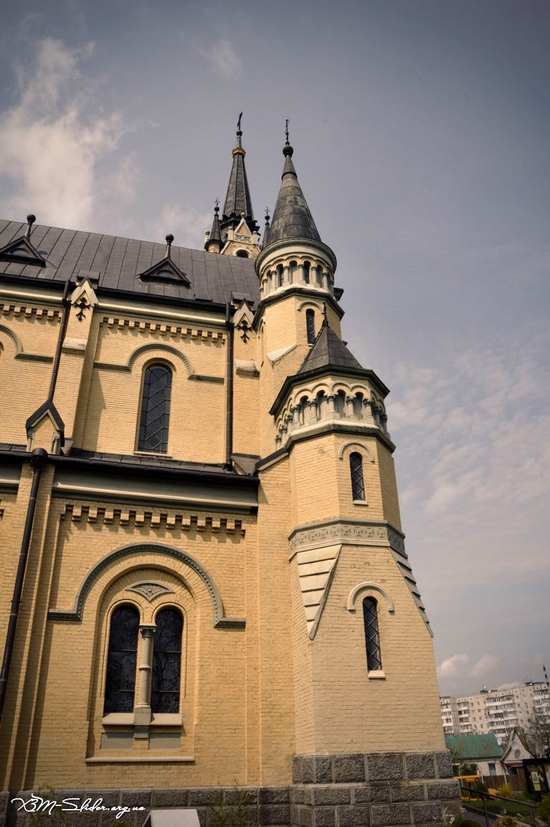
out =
column 482, row 750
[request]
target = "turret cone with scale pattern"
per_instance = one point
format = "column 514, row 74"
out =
column 292, row 241
column 292, row 217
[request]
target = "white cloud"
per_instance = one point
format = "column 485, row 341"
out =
column 223, row 58
column 186, row 224
column 452, row 666
column 484, row 665
column 52, row 140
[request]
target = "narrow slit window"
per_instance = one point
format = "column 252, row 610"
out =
column 306, row 272
column 357, row 481
column 155, row 409
column 166, row 678
column 310, row 326
column 372, row 635
column 121, row 660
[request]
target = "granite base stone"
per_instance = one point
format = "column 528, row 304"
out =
column 391, row 789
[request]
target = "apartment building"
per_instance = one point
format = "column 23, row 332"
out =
column 495, row 710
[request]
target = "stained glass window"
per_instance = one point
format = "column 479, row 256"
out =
column 121, row 660
column 357, row 482
column 372, row 637
column 165, row 696
column 155, row 409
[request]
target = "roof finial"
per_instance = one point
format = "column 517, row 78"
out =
column 169, row 240
column 287, row 150
column 239, row 131
column 267, row 219
column 30, row 221
column 217, row 206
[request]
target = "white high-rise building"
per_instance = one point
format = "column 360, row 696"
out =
column 495, row 710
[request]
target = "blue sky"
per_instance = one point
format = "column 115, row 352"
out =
column 420, row 130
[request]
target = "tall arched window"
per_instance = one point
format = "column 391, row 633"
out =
column 280, row 275
column 155, row 409
column 306, row 272
column 165, row 694
column 310, row 326
column 357, row 481
column 121, row 660
column 372, row 636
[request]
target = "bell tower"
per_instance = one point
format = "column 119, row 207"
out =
column 364, row 671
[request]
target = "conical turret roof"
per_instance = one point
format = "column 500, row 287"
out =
column 291, row 217
column 329, row 351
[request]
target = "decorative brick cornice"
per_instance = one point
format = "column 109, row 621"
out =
column 166, row 330
column 13, row 309
column 139, row 518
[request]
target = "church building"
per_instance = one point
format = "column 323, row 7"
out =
column 206, row 600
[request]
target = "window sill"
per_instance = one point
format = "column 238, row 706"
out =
column 360, row 502
column 127, row 719
column 152, row 454
column 140, row 759
column 376, row 675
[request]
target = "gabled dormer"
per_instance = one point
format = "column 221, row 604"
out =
column 165, row 271
column 21, row 250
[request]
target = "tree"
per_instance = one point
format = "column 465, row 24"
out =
column 536, row 735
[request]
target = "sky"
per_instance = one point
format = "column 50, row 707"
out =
column 420, row 130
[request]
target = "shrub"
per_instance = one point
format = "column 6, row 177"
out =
column 543, row 810
column 506, row 821
column 505, row 791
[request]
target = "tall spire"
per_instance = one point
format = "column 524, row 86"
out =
column 291, row 216
column 238, row 203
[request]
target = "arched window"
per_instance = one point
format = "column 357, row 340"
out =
column 242, row 254
column 155, row 409
column 166, row 678
column 310, row 326
column 357, row 481
column 121, row 660
column 372, row 636
column 280, row 275
column 306, row 272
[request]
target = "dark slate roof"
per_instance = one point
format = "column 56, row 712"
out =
column 475, row 747
column 291, row 217
column 119, row 261
column 329, row 351
column 237, row 200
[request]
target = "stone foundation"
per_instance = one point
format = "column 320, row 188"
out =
column 385, row 789
column 374, row 789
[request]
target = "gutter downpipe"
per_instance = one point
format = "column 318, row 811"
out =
column 60, row 339
column 39, row 460
column 229, row 370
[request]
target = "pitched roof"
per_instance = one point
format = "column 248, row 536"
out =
column 475, row 747
column 118, row 261
column 291, row 216
column 329, row 351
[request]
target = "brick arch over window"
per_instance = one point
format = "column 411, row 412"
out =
column 368, row 586
column 356, row 446
column 158, row 348
column 220, row 621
